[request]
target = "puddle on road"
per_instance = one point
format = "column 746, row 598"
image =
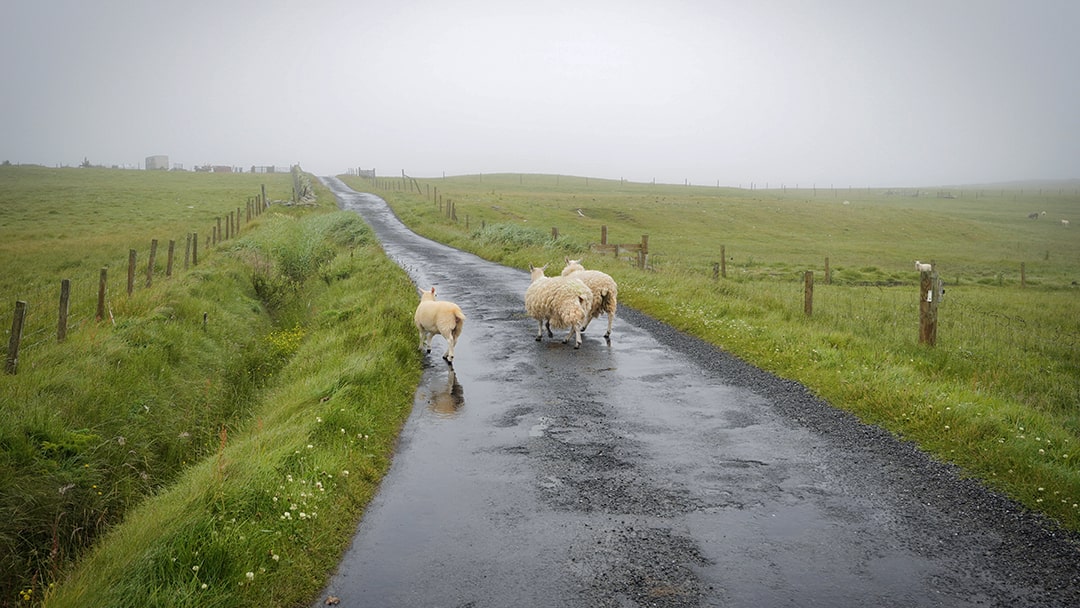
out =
column 447, row 398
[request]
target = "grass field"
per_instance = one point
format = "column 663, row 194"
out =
column 214, row 442
column 999, row 395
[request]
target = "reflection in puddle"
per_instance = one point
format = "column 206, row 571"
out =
column 448, row 399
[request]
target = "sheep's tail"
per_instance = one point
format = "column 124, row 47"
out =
column 459, row 323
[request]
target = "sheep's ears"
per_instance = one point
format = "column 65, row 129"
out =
column 432, row 291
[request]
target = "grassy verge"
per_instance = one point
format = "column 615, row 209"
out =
column 215, row 447
column 998, row 395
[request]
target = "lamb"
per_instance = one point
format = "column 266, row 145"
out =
column 559, row 301
column 438, row 317
column 921, row 267
column 604, row 289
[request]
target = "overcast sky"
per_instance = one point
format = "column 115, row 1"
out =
column 825, row 92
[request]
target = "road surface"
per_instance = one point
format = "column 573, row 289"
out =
column 660, row 471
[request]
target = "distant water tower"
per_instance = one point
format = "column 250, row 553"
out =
column 157, row 162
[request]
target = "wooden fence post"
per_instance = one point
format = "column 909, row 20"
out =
column 102, row 282
column 62, row 318
column 723, row 261
column 716, row 271
column 131, row 272
column 16, row 337
column 169, row 263
column 643, row 253
column 927, row 309
column 603, row 235
column 808, row 292
column 828, row 272
column 1023, row 276
column 150, row 264
column 194, row 248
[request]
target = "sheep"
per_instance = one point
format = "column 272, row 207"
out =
column 1064, row 222
column 604, row 289
column 438, row 317
column 559, row 301
column 921, row 267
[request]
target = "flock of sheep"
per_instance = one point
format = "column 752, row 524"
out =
column 570, row 300
column 1034, row 215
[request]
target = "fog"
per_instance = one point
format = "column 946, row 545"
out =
column 826, row 92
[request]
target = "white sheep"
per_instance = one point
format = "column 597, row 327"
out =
column 921, row 267
column 559, row 301
column 438, row 317
column 604, row 289
column 1064, row 222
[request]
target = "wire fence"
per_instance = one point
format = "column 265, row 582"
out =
column 42, row 314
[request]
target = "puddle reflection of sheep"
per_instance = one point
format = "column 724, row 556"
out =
column 449, row 399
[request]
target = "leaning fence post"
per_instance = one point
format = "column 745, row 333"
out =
column 150, row 264
column 62, row 318
column 131, row 271
column 16, row 337
column 102, row 282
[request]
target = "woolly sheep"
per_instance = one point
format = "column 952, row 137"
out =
column 605, row 292
column 921, row 267
column 1064, row 222
column 438, row 317
column 559, row 301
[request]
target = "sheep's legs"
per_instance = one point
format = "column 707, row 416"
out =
column 574, row 331
column 425, row 341
column 548, row 323
column 540, row 331
column 449, row 354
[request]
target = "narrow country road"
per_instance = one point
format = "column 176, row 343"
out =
column 660, row 471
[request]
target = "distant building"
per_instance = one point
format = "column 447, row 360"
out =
column 158, row 162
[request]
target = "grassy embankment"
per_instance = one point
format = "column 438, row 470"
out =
column 999, row 395
column 215, row 443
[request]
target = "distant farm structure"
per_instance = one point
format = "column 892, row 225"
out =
column 157, row 162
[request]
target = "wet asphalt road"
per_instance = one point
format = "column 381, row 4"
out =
column 660, row 471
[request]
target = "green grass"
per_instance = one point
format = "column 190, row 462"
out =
column 143, row 459
column 70, row 223
column 1000, row 393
